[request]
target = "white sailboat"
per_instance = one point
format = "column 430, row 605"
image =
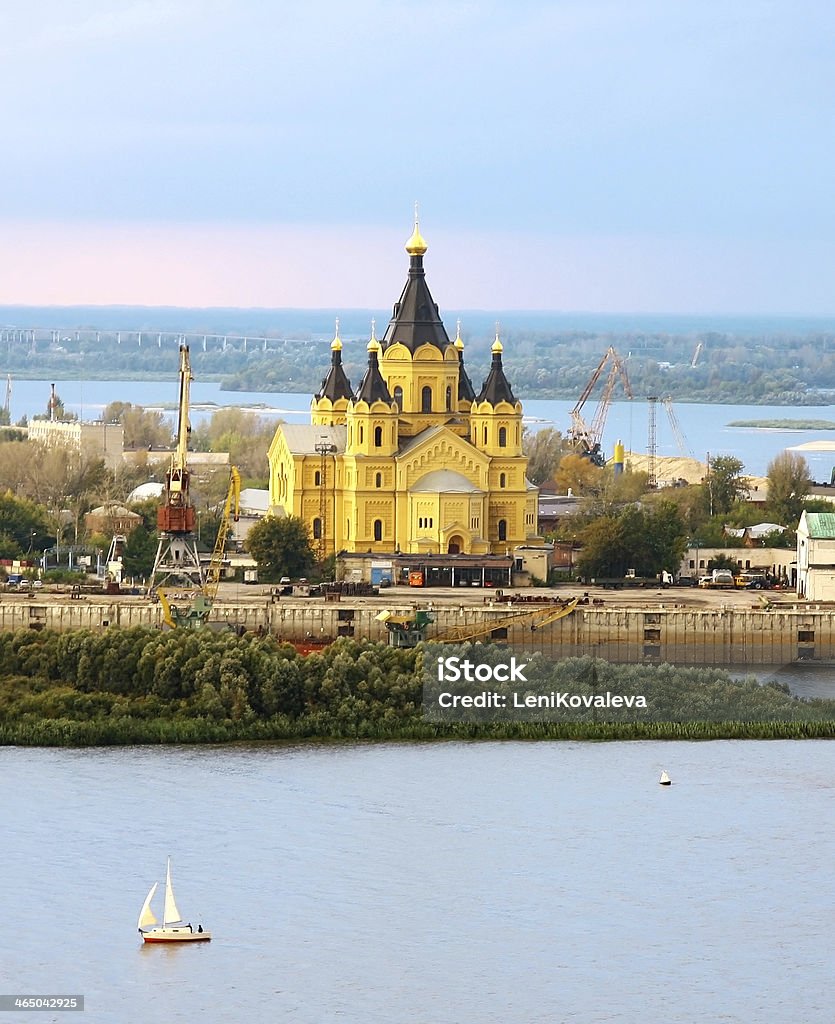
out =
column 665, row 779
column 173, row 928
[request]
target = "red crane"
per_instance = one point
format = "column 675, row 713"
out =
column 177, row 558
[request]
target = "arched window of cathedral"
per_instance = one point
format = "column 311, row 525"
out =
column 449, row 399
column 347, row 528
column 398, row 398
column 378, row 529
column 378, row 437
column 485, row 435
column 317, row 528
column 426, row 399
column 502, row 529
column 502, row 437
column 362, row 434
column 378, row 480
column 502, row 479
column 317, row 478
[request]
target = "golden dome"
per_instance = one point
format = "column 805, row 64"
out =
column 458, row 343
column 336, row 344
column 497, row 346
column 373, row 346
column 416, row 246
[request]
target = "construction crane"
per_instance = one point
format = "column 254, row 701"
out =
column 177, row 558
column 586, row 440
column 231, row 513
column 684, row 448
column 197, row 613
column 408, row 630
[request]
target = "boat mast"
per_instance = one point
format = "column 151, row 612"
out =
column 167, row 887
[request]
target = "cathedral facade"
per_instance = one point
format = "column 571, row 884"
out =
column 412, row 460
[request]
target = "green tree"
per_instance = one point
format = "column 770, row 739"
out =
column 646, row 540
column 789, row 481
column 25, row 524
column 724, row 484
column 140, row 551
column 281, row 547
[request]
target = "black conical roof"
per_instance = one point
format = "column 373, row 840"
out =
column 415, row 320
column 372, row 386
column 497, row 387
column 466, row 391
column 336, row 384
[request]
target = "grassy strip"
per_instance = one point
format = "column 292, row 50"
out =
column 786, row 424
column 63, row 732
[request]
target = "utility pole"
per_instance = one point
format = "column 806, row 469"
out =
column 652, row 444
column 323, row 449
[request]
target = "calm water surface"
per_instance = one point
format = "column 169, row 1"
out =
column 448, row 883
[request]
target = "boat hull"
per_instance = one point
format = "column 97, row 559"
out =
column 175, row 935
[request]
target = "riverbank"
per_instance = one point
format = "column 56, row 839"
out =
column 141, row 686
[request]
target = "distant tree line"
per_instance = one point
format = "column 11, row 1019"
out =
column 777, row 368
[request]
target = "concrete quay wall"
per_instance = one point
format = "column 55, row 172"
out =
column 721, row 636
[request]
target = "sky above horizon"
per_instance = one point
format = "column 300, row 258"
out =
column 566, row 154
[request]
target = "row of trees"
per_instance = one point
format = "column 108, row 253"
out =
column 622, row 524
column 46, row 491
column 773, row 367
column 141, row 685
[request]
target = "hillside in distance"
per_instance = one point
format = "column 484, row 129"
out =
column 753, row 360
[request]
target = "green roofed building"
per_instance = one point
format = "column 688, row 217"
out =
column 816, row 556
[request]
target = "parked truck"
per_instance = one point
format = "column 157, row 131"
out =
column 718, row 579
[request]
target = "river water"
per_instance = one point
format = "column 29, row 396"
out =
column 705, row 427
column 446, row 883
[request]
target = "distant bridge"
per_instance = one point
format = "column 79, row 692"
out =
column 61, row 337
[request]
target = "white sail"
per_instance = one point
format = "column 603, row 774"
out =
column 170, row 912
column 146, row 915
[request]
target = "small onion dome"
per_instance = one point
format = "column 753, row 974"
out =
column 336, row 344
column 458, row 343
column 497, row 348
column 373, row 346
column 416, row 246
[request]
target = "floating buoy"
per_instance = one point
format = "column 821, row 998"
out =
column 665, row 780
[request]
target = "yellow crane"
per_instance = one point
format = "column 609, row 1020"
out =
column 532, row 620
column 231, row 513
column 409, row 629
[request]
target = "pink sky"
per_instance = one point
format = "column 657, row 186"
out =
column 359, row 267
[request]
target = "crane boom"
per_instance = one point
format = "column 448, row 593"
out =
column 683, row 447
column 231, row 511
column 587, row 439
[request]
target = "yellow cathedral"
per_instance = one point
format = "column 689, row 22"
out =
column 412, row 461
